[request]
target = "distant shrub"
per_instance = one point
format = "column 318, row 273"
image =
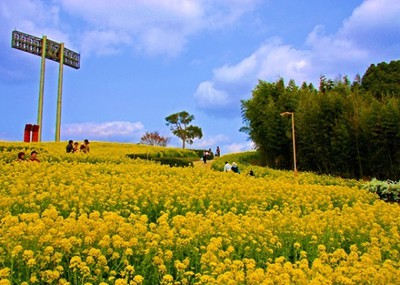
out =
column 175, row 161
column 387, row 190
column 154, row 139
column 171, row 157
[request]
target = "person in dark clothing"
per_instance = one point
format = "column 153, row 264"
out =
column 205, row 154
column 235, row 168
column 70, row 146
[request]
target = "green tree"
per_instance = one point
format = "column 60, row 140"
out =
column 264, row 125
column 382, row 79
column 179, row 124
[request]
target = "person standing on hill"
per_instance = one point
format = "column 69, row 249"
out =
column 70, row 146
column 205, row 154
column 218, row 152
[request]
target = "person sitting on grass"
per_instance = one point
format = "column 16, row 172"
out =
column 85, row 146
column 33, row 157
column 21, row 156
column 227, row 167
column 76, row 147
column 235, row 168
column 70, row 146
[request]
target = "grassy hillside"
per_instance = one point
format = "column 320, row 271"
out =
column 102, row 218
column 250, row 160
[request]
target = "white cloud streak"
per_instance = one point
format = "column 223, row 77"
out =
column 211, row 141
column 238, row 147
column 224, row 142
column 120, row 129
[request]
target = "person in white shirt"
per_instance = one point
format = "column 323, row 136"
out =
column 227, row 167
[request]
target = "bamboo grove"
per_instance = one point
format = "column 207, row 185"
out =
column 344, row 128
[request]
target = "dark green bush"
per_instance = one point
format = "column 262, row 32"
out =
column 175, row 161
column 165, row 160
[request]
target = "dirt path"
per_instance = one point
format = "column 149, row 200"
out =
column 201, row 164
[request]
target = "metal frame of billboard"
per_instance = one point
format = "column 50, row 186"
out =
column 34, row 45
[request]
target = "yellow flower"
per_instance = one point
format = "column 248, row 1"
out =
column 138, row 279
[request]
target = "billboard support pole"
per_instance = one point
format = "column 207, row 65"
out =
column 41, row 88
column 59, row 96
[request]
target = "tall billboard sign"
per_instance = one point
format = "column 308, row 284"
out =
column 47, row 49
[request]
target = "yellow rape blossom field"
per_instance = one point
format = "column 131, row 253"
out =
column 102, row 218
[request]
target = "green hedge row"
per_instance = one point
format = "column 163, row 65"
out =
column 165, row 160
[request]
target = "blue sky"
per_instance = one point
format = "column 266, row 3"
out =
column 142, row 60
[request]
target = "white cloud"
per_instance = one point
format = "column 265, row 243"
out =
column 224, row 142
column 104, row 130
column 238, row 147
column 153, row 26
column 106, row 27
column 207, row 95
column 371, row 34
column 232, row 83
column 211, row 141
column 106, row 42
column 33, row 17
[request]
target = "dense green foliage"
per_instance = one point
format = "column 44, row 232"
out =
column 382, row 77
column 341, row 129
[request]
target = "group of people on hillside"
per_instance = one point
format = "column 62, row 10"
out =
column 234, row 167
column 208, row 153
column 32, row 158
column 73, row 147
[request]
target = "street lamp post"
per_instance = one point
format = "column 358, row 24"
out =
column 294, row 141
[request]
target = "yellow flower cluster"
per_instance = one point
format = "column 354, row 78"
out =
column 105, row 219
